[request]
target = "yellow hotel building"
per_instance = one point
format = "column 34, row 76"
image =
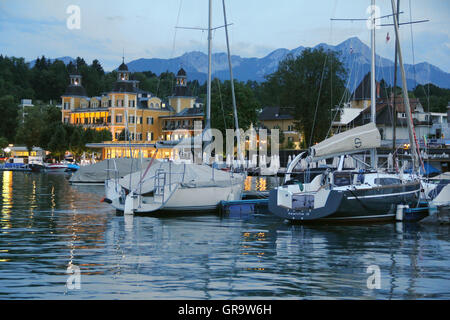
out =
column 146, row 116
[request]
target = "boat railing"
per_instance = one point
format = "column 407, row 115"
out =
column 160, row 183
column 163, row 178
column 114, row 170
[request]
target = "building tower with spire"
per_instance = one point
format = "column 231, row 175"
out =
column 181, row 98
column 124, row 107
column 122, row 72
column 74, row 97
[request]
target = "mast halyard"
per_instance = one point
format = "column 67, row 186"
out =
column 394, row 109
column 373, row 152
column 208, row 93
column 409, row 121
column 236, row 121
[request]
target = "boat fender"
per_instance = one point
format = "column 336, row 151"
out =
column 323, row 180
column 300, row 185
column 400, row 212
column 105, row 199
column 361, row 176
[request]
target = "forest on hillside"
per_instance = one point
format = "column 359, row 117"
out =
column 310, row 84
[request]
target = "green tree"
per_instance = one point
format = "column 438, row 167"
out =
column 432, row 98
column 222, row 115
column 9, row 112
column 102, row 135
column 3, row 142
column 309, row 86
column 29, row 132
column 58, row 143
column 76, row 145
column 165, row 84
column 51, row 117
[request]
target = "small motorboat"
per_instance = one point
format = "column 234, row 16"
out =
column 56, row 167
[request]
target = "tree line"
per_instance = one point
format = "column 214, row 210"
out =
column 308, row 86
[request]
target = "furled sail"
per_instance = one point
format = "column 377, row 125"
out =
column 350, row 141
column 188, row 175
column 107, row 169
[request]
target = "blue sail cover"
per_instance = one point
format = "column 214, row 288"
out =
column 429, row 170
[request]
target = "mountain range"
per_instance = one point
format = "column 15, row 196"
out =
column 354, row 53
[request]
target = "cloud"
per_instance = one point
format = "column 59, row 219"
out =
column 147, row 28
column 115, row 18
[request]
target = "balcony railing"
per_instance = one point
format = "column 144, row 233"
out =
column 172, row 127
column 81, row 109
column 95, row 125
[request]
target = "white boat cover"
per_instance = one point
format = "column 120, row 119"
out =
column 187, row 175
column 98, row 172
column 442, row 176
column 354, row 140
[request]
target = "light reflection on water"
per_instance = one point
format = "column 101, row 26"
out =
column 261, row 183
column 48, row 225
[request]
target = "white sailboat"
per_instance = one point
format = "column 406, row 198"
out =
column 349, row 195
column 172, row 186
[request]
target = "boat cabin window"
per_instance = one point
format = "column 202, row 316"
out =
column 387, row 181
column 342, row 179
column 305, row 176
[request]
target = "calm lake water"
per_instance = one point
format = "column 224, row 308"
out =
column 47, row 225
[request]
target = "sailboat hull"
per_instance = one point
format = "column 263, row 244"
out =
column 205, row 199
column 370, row 204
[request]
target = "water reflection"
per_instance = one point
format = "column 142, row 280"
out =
column 255, row 183
column 53, row 225
column 7, row 200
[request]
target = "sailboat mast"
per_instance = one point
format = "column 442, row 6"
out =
column 373, row 152
column 208, row 93
column 394, row 109
column 236, row 121
column 412, row 139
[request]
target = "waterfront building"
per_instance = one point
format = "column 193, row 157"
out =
column 360, row 100
column 427, row 125
column 282, row 119
column 26, row 103
column 127, row 108
column 187, row 110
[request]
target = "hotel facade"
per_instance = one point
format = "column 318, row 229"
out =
column 127, row 108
